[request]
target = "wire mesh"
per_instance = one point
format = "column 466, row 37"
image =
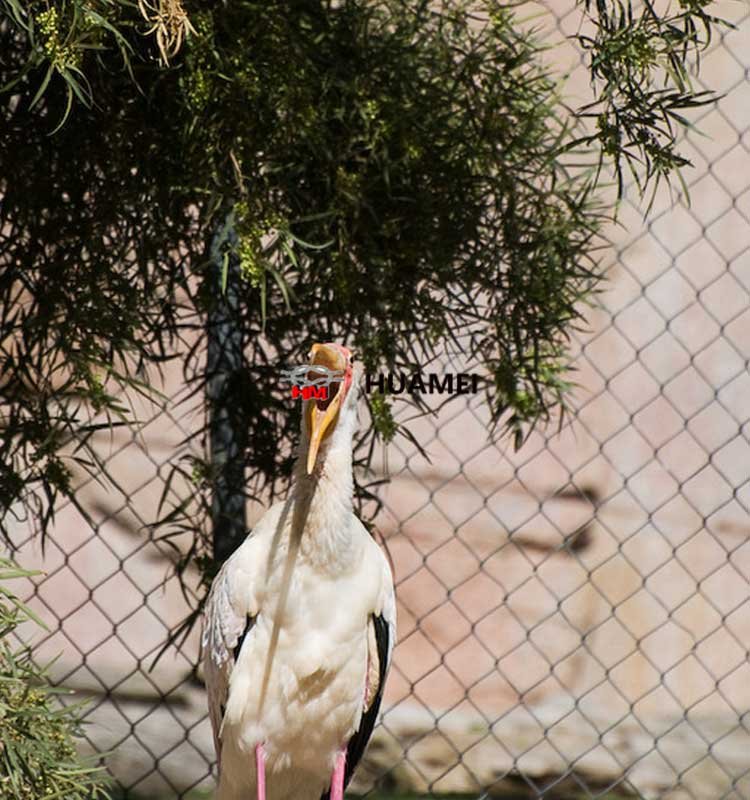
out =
column 573, row 617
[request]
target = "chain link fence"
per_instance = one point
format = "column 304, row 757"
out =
column 574, row 617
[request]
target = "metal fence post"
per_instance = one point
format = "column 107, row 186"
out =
column 224, row 366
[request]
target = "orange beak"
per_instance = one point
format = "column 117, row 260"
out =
column 322, row 414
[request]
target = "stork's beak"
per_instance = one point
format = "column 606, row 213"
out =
column 322, row 414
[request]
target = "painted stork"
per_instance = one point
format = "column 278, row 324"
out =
column 300, row 623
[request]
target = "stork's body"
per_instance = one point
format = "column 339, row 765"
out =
column 299, row 629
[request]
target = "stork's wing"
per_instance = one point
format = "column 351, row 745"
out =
column 381, row 636
column 224, row 631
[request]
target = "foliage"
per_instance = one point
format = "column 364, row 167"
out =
column 637, row 117
column 396, row 173
column 38, row 758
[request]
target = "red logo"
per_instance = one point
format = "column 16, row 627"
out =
column 310, row 392
column 311, row 381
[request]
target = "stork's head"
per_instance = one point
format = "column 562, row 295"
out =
column 322, row 417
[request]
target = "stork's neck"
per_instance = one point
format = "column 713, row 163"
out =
column 327, row 539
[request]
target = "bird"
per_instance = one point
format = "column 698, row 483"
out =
column 300, row 622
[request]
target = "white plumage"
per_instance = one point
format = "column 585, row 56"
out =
column 300, row 624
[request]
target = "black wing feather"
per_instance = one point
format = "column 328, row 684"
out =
column 248, row 627
column 357, row 744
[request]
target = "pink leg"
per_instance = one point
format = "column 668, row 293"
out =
column 260, row 768
column 337, row 780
